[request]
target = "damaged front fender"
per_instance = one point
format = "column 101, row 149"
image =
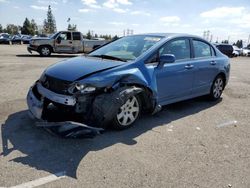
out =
column 106, row 106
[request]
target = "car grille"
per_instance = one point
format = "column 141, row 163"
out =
column 56, row 85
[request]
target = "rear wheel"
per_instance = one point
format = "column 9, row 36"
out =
column 217, row 88
column 44, row 51
column 128, row 113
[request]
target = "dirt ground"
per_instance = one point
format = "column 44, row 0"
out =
column 195, row 143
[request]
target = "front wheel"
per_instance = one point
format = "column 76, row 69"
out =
column 127, row 114
column 44, row 51
column 217, row 88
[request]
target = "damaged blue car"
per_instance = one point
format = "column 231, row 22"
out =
column 115, row 83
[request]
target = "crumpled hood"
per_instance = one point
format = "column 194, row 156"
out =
column 79, row 67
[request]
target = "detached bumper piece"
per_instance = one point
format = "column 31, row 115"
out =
column 70, row 129
column 65, row 129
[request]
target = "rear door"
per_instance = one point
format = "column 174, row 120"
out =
column 77, row 42
column 207, row 66
column 63, row 43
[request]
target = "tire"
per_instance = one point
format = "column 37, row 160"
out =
column 44, row 51
column 217, row 88
column 128, row 113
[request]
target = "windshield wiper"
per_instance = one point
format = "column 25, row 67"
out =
column 108, row 57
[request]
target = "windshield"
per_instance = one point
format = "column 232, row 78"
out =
column 53, row 36
column 127, row 48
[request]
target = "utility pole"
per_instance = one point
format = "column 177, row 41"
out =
column 204, row 34
column 208, row 34
column 211, row 38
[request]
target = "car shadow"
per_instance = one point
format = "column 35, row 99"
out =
column 51, row 56
column 50, row 153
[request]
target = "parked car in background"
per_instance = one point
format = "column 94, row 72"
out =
column 63, row 42
column 16, row 39
column 246, row 51
column 237, row 51
column 26, row 39
column 42, row 35
column 139, row 73
column 226, row 49
column 5, row 38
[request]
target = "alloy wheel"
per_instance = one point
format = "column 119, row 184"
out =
column 128, row 112
column 45, row 51
column 218, row 87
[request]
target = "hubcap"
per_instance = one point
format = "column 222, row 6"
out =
column 128, row 112
column 45, row 51
column 218, row 87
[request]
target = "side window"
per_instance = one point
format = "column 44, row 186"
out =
column 76, row 36
column 202, row 49
column 62, row 36
column 180, row 48
column 69, row 36
column 65, row 36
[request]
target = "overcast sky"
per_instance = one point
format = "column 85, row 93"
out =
column 224, row 18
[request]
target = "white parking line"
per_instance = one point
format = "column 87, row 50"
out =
column 41, row 181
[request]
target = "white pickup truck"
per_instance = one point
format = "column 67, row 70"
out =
column 69, row 42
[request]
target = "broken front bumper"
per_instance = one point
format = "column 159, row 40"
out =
column 67, row 129
column 31, row 48
column 36, row 105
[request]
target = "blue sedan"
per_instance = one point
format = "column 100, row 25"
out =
column 115, row 83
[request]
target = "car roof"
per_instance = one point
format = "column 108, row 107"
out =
column 169, row 35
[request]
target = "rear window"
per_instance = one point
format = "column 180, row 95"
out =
column 76, row 36
column 201, row 49
column 225, row 47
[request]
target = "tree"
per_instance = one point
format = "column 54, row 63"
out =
column 34, row 27
column 29, row 27
column 88, row 35
column 224, row 41
column 11, row 29
column 1, row 28
column 71, row 27
column 26, row 29
column 49, row 24
column 115, row 37
column 239, row 43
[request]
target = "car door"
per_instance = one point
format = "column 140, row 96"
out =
column 207, row 66
column 63, row 42
column 77, row 42
column 175, row 80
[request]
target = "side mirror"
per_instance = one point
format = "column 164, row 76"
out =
column 166, row 58
column 58, row 40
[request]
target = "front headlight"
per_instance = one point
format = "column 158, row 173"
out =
column 88, row 89
column 81, row 88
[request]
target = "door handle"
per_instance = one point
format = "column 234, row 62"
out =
column 70, row 42
column 213, row 62
column 189, row 66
